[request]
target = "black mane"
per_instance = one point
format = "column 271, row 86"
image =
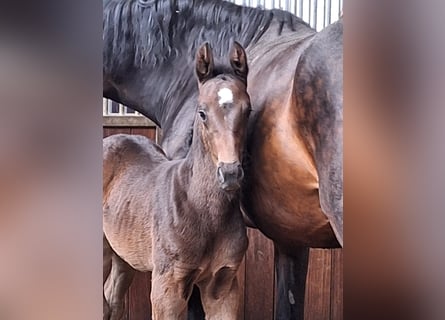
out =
column 137, row 33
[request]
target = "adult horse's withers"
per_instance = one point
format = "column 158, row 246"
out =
column 181, row 219
column 294, row 184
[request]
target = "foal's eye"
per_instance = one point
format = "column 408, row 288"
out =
column 202, row 115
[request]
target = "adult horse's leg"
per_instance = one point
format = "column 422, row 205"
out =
column 195, row 310
column 291, row 274
column 121, row 276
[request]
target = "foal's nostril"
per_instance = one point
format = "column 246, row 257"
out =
column 220, row 175
column 240, row 172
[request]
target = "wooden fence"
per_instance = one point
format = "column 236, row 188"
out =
column 324, row 284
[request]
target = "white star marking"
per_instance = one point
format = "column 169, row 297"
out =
column 225, row 96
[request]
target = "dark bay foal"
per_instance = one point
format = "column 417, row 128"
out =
column 180, row 219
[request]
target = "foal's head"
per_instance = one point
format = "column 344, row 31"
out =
column 222, row 113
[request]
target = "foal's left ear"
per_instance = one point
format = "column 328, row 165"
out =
column 238, row 61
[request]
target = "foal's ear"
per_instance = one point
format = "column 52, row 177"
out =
column 204, row 62
column 238, row 61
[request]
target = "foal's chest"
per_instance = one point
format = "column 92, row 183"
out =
column 203, row 243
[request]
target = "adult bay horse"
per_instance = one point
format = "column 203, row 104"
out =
column 293, row 189
column 181, row 219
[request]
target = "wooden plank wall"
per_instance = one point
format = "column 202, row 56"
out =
column 324, row 284
column 149, row 132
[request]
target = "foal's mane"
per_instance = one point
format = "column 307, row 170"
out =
column 145, row 32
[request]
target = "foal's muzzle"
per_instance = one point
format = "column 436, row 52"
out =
column 230, row 175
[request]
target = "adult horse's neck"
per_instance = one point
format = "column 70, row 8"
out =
column 149, row 49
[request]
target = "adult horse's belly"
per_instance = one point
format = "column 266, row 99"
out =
column 283, row 198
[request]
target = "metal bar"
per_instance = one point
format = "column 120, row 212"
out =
column 340, row 7
column 110, row 107
column 327, row 13
column 310, row 7
column 315, row 13
column 104, row 107
column 121, row 110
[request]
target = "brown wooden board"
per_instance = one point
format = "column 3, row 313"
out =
column 139, row 297
column 242, row 283
column 115, row 130
column 337, row 285
column 147, row 132
column 318, row 285
column 259, row 285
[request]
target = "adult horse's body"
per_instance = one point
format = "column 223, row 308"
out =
column 181, row 219
column 294, row 183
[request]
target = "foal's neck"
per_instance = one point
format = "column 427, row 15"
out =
column 204, row 187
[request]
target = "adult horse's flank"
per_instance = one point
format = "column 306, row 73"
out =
column 180, row 219
column 293, row 189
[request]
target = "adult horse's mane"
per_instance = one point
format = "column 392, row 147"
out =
column 154, row 31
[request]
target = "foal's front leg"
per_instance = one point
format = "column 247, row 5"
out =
column 221, row 295
column 170, row 292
